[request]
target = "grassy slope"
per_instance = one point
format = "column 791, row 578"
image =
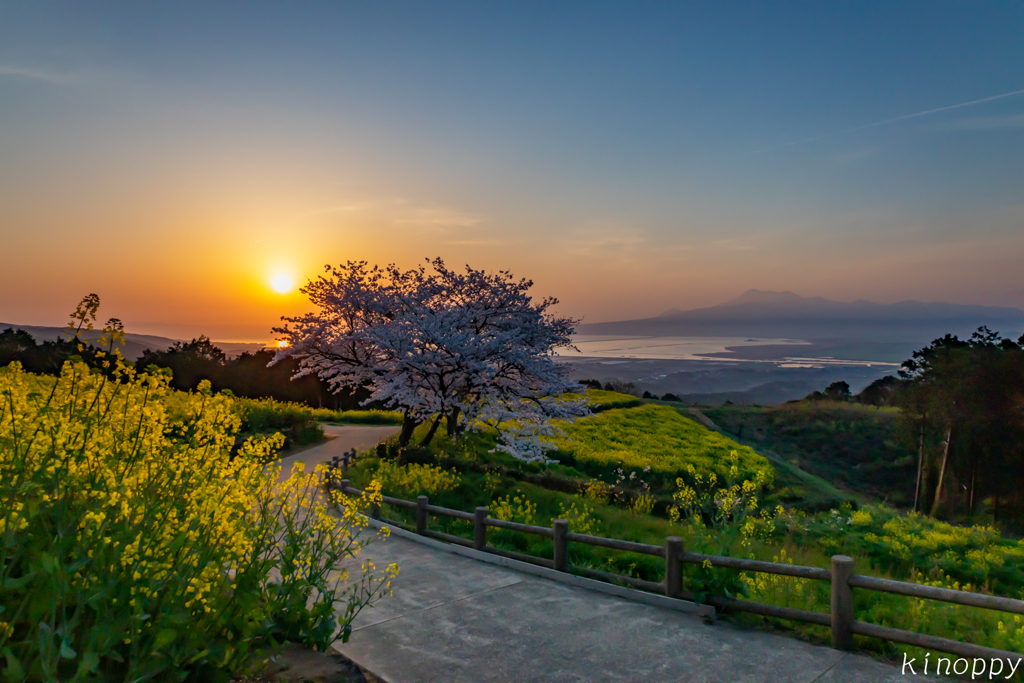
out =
column 651, row 436
column 853, row 446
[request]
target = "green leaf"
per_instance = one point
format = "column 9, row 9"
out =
column 66, row 651
column 164, row 638
column 14, row 671
column 20, row 582
column 48, row 563
column 90, row 662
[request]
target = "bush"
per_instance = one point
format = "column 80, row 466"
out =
column 414, row 479
column 135, row 547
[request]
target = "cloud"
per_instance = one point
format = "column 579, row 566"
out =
column 404, row 212
column 733, row 244
column 935, row 111
column 413, row 220
column 984, row 123
column 851, row 157
column 35, row 74
column 894, row 119
column 619, row 246
column 436, row 216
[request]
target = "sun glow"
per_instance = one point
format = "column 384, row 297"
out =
column 282, row 344
column 282, row 284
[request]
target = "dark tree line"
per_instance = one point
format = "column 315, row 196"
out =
column 881, row 392
column 962, row 411
column 247, row 375
column 963, row 402
column 190, row 363
column 46, row 358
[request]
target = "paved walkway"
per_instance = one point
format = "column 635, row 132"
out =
column 453, row 619
column 342, row 438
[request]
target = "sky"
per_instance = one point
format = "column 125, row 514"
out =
column 178, row 159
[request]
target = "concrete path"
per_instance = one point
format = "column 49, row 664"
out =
column 342, row 438
column 457, row 620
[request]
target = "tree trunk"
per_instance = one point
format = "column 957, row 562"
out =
column 453, row 422
column 974, row 476
column 433, row 430
column 942, row 471
column 409, row 424
column 920, row 466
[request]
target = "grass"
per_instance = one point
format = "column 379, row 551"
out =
column 358, row 417
column 607, row 400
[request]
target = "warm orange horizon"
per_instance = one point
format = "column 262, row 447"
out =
column 174, row 163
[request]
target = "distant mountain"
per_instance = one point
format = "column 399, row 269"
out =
column 757, row 313
column 135, row 344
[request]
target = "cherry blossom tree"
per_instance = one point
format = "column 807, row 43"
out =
column 469, row 348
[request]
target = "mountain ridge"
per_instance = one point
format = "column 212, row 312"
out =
column 759, row 313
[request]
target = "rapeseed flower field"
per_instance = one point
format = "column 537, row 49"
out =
column 137, row 542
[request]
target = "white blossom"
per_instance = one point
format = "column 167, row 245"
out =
column 472, row 348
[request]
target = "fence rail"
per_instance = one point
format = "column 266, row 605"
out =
column 840, row 576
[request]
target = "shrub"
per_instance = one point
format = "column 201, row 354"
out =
column 135, row 547
column 414, row 479
column 513, row 509
column 581, row 519
column 267, row 415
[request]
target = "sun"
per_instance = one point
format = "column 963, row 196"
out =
column 282, row 284
column 282, row 344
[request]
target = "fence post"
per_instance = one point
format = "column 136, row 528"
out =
column 479, row 528
column 561, row 528
column 421, row 514
column 344, row 484
column 673, row 566
column 842, row 603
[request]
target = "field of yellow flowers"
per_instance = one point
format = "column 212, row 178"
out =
column 139, row 543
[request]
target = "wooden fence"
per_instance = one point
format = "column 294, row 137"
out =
column 840, row 575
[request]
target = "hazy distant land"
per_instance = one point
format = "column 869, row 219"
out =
column 785, row 315
column 761, row 347
column 770, row 347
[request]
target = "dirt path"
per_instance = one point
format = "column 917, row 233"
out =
column 705, row 420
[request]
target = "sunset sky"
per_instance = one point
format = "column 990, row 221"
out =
column 185, row 161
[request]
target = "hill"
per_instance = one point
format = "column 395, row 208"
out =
column 785, row 315
column 853, row 446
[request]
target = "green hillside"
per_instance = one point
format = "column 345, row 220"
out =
column 650, row 436
column 853, row 446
